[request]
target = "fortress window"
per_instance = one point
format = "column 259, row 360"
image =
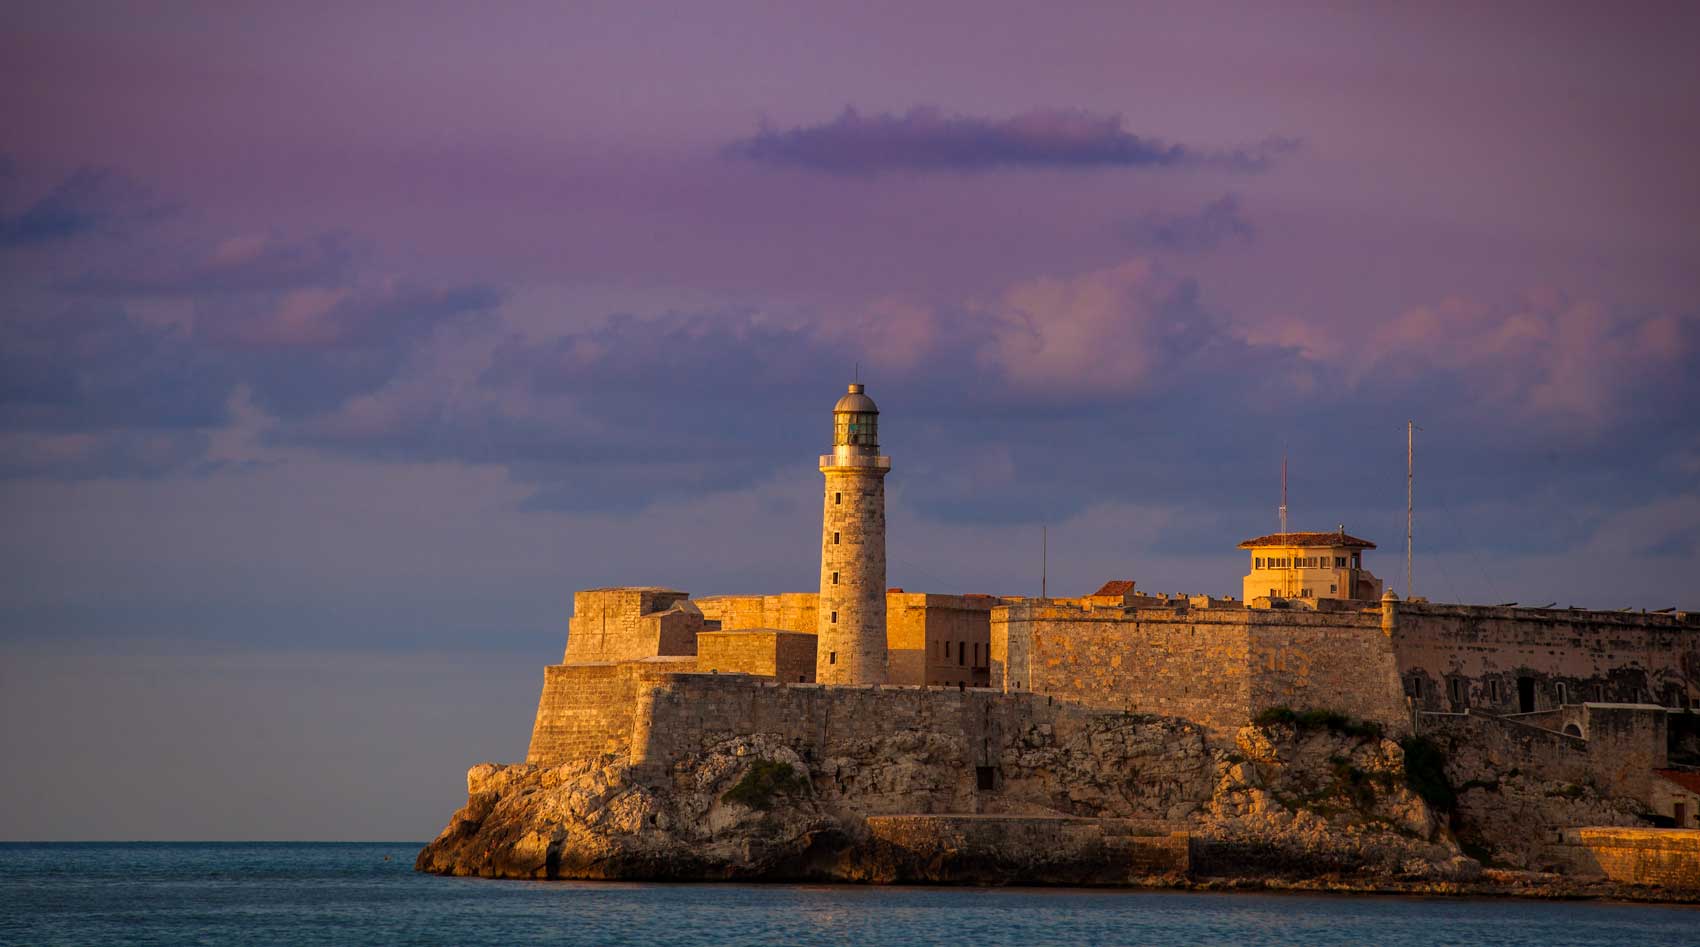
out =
column 837, row 498
column 985, row 778
column 835, row 578
column 1563, row 693
column 1333, row 589
column 1493, row 690
column 1257, row 563
column 832, row 657
column 976, row 654
column 835, row 618
column 961, row 654
column 835, row 538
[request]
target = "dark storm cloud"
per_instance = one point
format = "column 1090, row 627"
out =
column 928, row 139
column 1217, row 223
column 86, row 201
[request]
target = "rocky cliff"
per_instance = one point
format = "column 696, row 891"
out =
column 1097, row 804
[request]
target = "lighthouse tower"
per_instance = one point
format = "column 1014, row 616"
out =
column 850, row 647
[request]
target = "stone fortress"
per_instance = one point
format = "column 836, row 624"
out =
column 1003, row 707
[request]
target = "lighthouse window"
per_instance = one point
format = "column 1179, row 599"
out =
column 835, row 538
column 835, row 578
column 837, row 498
column 835, row 618
column 832, row 657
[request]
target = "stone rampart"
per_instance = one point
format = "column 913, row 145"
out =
column 586, row 710
column 1511, row 660
column 1500, row 744
column 767, row 652
column 938, row 639
column 787, row 611
column 627, row 624
column 1218, row 666
column 1665, row 857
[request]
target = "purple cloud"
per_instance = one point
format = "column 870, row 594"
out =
column 236, row 264
column 1217, row 223
column 88, row 200
column 928, row 139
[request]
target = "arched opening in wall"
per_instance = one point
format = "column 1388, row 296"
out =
column 1572, row 730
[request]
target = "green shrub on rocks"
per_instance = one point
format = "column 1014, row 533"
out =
column 1331, row 720
column 765, row 780
column 1425, row 773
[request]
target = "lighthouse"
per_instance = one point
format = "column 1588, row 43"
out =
column 850, row 642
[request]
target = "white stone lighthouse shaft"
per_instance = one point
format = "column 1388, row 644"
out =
column 851, row 642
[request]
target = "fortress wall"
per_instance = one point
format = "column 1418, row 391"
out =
column 1217, row 666
column 1669, row 858
column 1594, row 656
column 792, row 611
column 780, row 655
column 1477, row 743
column 851, row 733
column 697, row 711
column 586, row 710
column 611, row 625
column 1625, row 744
column 787, row 611
column 1302, row 663
column 733, row 612
column 1167, row 662
column 920, row 626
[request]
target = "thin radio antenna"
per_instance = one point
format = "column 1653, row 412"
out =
column 1283, row 491
column 1411, row 430
column 1044, row 561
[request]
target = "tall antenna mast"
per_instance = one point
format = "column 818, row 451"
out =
column 1410, row 497
column 1044, row 561
column 1283, row 491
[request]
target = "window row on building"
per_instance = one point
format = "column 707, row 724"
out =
column 1298, row 562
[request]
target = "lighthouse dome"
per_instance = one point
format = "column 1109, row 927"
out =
column 855, row 402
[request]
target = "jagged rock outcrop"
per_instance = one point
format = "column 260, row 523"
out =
column 1281, row 801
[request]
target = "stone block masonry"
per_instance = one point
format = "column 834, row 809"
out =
column 1217, row 666
column 787, row 656
column 1522, row 660
column 586, row 710
column 628, row 624
column 1665, row 857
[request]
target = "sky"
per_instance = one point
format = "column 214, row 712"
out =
column 340, row 343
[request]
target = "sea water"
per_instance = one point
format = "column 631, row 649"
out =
column 368, row 893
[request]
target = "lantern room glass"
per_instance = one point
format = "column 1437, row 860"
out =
column 856, row 429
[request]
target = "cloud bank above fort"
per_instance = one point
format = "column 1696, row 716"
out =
column 926, row 139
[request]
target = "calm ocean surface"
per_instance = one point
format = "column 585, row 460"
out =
column 284, row 893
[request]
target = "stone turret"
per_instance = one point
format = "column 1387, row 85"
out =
column 851, row 642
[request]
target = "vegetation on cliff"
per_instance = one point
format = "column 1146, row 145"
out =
column 763, row 782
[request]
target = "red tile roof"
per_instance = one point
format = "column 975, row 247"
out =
column 1116, row 587
column 1333, row 539
column 1684, row 778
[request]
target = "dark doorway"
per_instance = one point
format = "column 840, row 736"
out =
column 1525, row 695
column 1681, row 815
column 985, row 778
